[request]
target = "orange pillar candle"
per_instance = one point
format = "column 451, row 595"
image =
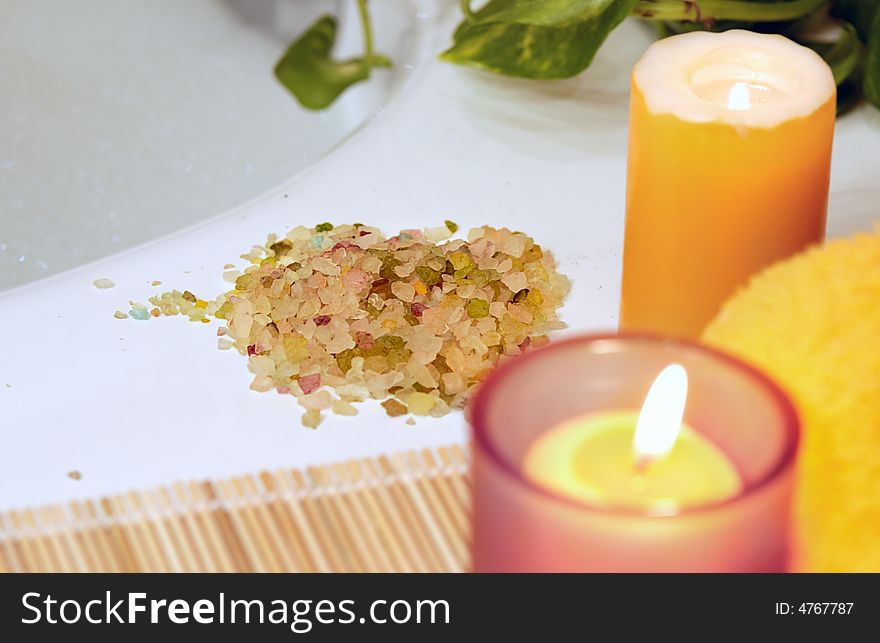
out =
column 729, row 159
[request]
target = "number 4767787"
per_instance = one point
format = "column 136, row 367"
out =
column 814, row 608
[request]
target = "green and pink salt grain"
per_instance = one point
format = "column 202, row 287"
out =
column 103, row 284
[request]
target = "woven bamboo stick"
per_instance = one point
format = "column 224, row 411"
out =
column 425, row 478
column 269, row 527
column 421, row 533
column 226, row 527
column 8, row 547
column 347, row 542
column 246, row 531
column 92, row 537
column 289, row 532
column 129, row 535
column 190, row 528
column 147, row 530
column 406, row 512
column 295, row 505
column 399, row 521
column 39, row 521
column 174, row 527
column 30, row 551
column 455, row 508
column 390, row 539
column 52, row 518
column 316, row 517
column 209, row 524
column 370, row 525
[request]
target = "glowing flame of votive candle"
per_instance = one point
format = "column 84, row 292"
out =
column 739, row 98
column 660, row 419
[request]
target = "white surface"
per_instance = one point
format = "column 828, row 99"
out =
column 124, row 120
column 131, row 404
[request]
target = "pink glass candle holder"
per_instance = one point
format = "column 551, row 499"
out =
column 520, row 526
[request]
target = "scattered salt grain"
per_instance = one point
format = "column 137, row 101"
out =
column 325, row 266
column 394, row 408
column 341, row 407
column 309, row 383
column 403, row 291
column 319, row 400
column 515, row 281
column 420, row 403
column 311, row 419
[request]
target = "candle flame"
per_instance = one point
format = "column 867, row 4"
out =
column 739, row 98
column 660, row 419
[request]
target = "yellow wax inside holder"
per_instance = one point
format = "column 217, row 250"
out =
column 591, row 459
column 728, row 168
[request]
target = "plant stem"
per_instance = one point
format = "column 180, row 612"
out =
column 368, row 30
column 466, row 8
column 713, row 10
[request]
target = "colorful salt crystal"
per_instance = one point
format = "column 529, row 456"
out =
column 394, row 408
column 515, row 280
column 309, row 383
column 477, row 308
column 403, row 291
column 365, row 340
column 341, row 407
column 418, row 309
column 420, row 403
column 399, row 319
column 311, row 419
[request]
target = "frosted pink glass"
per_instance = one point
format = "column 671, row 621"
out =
column 521, row 527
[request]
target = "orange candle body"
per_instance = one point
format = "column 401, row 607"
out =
column 712, row 201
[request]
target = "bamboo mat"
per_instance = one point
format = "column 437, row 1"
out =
column 405, row 512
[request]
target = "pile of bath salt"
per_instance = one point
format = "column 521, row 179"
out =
column 334, row 315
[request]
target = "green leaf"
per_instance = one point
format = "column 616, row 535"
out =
column 842, row 56
column 709, row 12
column 845, row 57
column 546, row 13
column 865, row 15
column 860, row 13
column 532, row 50
column 308, row 71
column 871, row 83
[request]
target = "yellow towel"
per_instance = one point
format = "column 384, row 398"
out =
column 813, row 323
